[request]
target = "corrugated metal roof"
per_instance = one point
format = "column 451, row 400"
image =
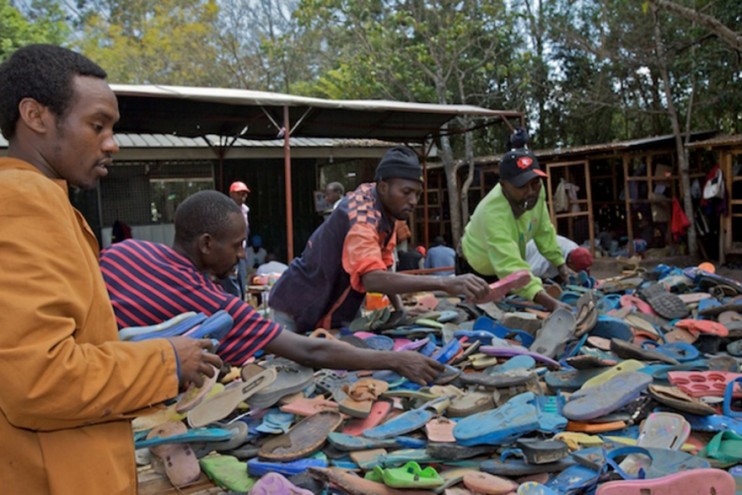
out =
column 193, row 111
column 616, row 146
column 168, row 141
column 725, row 140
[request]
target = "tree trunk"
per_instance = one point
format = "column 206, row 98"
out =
column 452, row 184
column 469, row 160
column 679, row 144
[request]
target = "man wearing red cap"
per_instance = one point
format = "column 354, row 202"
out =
column 235, row 283
column 513, row 213
column 578, row 258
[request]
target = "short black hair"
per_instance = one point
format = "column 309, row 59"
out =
column 439, row 241
column 204, row 212
column 44, row 73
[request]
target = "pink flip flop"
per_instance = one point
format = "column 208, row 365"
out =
column 693, row 482
column 514, row 281
column 274, row 483
column 178, row 460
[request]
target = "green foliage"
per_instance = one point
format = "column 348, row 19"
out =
column 43, row 23
column 156, row 42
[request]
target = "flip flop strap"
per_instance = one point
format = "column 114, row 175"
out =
column 610, row 459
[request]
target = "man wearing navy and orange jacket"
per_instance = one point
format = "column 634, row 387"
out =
column 351, row 253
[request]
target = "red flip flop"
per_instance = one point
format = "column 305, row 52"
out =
column 703, row 326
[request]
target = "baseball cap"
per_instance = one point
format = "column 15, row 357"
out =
column 580, row 259
column 239, row 186
column 519, row 166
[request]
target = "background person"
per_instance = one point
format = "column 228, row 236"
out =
column 440, row 255
column 235, row 282
column 334, row 192
column 577, row 258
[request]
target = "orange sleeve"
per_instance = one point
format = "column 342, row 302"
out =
column 363, row 254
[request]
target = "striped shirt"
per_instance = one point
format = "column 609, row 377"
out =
column 149, row 283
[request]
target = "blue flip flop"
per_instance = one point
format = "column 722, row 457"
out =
column 172, row 331
column 599, row 400
column 680, row 351
column 257, row 467
column 520, row 415
column 192, row 435
column 130, row 332
column 350, row 443
column 215, row 326
column 406, row 422
column 609, row 327
column 513, row 467
column 533, row 488
column 447, row 352
column 498, row 330
column 661, row 462
column 714, row 423
column 574, row 479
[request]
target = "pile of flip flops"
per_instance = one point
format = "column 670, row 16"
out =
column 635, row 390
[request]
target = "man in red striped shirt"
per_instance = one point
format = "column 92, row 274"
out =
column 149, row 283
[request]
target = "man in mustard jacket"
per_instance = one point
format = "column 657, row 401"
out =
column 69, row 385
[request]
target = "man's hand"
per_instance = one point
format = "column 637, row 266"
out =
column 195, row 360
column 549, row 302
column 416, row 367
column 469, row 285
column 565, row 273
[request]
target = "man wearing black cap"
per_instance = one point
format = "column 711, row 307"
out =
column 514, row 212
column 351, row 252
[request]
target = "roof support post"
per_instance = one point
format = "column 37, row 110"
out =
column 287, row 179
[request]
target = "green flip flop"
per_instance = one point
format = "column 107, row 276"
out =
column 227, row 472
column 725, row 448
column 411, row 475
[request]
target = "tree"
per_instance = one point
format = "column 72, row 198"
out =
column 148, row 42
column 727, row 35
column 441, row 51
column 42, row 22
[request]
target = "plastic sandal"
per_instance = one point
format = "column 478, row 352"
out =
column 130, row 332
column 627, row 366
column 697, row 482
column 352, row 483
column 227, row 472
column 179, row 328
column 411, row 475
column 290, row 378
column 168, row 433
column 361, row 396
column 498, row 290
column 489, row 484
column 520, row 415
column 557, row 330
column 215, row 327
column 534, row 488
column 273, row 483
column 221, row 405
column 404, row 423
column 258, row 467
column 725, row 448
column 628, row 350
column 179, row 461
column 303, row 439
column 594, row 402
